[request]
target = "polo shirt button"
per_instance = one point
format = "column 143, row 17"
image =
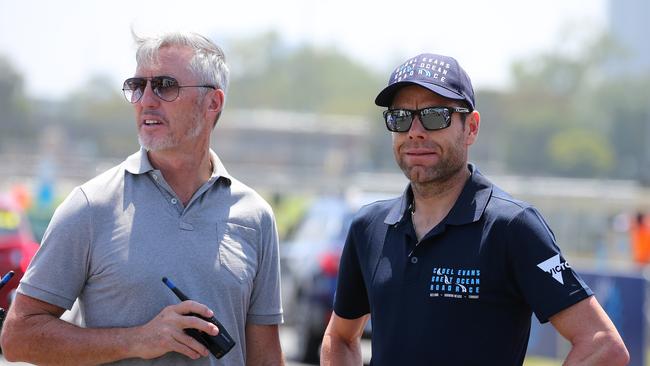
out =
column 174, row 200
column 414, row 260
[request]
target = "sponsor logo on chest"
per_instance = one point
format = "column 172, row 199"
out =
column 459, row 283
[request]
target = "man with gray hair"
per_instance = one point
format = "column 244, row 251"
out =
column 170, row 210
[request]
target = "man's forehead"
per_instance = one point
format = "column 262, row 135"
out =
column 171, row 61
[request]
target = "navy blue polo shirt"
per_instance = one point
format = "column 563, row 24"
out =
column 465, row 294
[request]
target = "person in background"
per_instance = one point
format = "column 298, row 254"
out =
column 451, row 272
column 640, row 239
column 169, row 210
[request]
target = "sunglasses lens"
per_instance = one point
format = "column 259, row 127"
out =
column 435, row 118
column 398, row 120
column 133, row 89
column 165, row 87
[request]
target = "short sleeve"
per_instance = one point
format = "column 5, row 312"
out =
column 543, row 275
column 58, row 271
column 351, row 297
column 266, row 305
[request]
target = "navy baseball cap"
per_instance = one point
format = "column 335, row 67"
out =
column 440, row 74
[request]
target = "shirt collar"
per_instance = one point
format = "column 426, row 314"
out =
column 399, row 209
column 469, row 206
column 138, row 163
column 218, row 170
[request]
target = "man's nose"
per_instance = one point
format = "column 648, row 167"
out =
column 417, row 130
column 149, row 98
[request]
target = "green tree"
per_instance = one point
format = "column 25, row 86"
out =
column 626, row 104
column 268, row 74
column 580, row 152
column 555, row 120
column 13, row 104
column 98, row 119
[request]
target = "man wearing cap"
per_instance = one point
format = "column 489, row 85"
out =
column 451, row 271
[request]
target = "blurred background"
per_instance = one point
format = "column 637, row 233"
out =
column 563, row 87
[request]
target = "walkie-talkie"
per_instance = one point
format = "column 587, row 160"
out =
column 218, row 345
column 3, row 282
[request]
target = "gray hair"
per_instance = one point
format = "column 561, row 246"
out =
column 208, row 63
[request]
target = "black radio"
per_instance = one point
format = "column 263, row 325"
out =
column 218, row 345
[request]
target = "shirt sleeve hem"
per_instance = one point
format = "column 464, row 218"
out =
column 544, row 316
column 349, row 315
column 265, row 319
column 46, row 296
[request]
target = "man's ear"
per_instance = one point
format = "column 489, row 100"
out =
column 472, row 125
column 215, row 103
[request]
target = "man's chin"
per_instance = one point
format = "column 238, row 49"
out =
column 153, row 145
column 422, row 180
column 429, row 175
column 418, row 175
column 155, row 148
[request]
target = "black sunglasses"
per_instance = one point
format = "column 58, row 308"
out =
column 165, row 87
column 432, row 118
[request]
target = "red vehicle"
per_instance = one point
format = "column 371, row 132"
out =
column 17, row 246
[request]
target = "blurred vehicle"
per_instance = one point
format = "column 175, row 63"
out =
column 17, row 246
column 310, row 264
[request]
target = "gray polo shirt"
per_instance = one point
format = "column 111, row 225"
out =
column 114, row 238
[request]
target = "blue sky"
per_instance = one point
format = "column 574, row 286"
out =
column 58, row 45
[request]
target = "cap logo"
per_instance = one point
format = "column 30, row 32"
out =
column 440, row 74
column 437, row 75
column 402, row 72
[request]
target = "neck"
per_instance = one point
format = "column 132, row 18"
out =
column 432, row 201
column 184, row 173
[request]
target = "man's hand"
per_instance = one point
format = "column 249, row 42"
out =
column 165, row 333
column 34, row 333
